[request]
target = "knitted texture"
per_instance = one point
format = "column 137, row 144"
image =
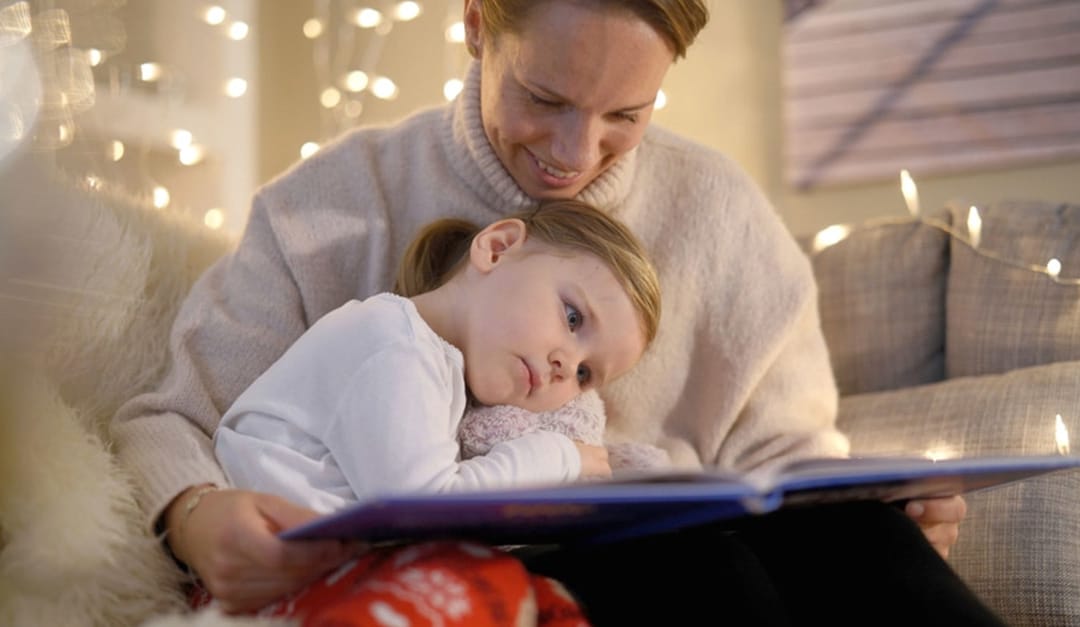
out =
column 582, row 420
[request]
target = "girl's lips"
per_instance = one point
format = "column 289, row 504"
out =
column 529, row 376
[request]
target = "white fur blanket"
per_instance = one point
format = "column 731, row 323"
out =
column 88, row 288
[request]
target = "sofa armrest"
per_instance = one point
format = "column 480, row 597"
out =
column 1019, row 546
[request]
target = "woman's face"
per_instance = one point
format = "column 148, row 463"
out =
column 569, row 95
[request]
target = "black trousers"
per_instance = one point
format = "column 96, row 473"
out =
column 847, row 564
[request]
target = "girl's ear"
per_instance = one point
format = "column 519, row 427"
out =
column 494, row 241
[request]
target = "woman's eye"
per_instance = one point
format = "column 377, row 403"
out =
column 540, row 101
column 573, row 317
column 629, row 117
column 583, row 374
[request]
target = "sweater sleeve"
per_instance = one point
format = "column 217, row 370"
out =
column 226, row 333
column 395, row 430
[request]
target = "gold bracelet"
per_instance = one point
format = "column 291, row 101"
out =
column 193, row 502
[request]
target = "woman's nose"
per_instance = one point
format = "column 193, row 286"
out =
column 576, row 145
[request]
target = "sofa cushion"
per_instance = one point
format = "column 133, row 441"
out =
column 1019, row 546
column 882, row 304
column 1004, row 310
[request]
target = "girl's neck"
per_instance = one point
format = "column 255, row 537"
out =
column 440, row 309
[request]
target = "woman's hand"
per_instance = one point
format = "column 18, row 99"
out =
column 939, row 519
column 594, row 461
column 230, row 540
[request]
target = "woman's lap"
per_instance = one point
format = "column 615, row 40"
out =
column 861, row 563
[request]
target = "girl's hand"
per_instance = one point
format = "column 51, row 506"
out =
column 939, row 519
column 594, row 461
column 230, row 540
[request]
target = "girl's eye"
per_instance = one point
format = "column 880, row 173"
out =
column 573, row 317
column 583, row 374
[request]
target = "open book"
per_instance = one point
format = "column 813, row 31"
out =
column 659, row 502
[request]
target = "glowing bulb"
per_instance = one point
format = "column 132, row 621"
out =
column 910, row 192
column 452, row 88
column 1053, row 267
column 356, row 81
column 384, row 88
column 116, row 150
column 235, row 87
column 830, row 235
column 190, row 155
column 308, row 149
column 353, row 108
column 238, row 31
column 180, row 138
column 974, row 224
column 214, row 218
column 405, row 11
column 313, row 28
column 161, row 197
column 1061, row 435
column 661, row 100
column 939, row 451
column 93, row 182
column 368, row 18
column 64, row 133
column 214, row 15
column 330, row 97
column 94, row 57
column 455, row 33
column 150, row 72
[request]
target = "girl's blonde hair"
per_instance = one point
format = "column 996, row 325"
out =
column 442, row 246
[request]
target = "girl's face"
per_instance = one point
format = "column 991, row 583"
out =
column 546, row 325
column 568, row 96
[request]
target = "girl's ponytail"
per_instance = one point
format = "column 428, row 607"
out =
column 433, row 255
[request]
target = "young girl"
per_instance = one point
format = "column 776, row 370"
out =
column 528, row 311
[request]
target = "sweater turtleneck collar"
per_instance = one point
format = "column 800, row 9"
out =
column 473, row 158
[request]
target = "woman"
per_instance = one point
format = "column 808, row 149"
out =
column 556, row 106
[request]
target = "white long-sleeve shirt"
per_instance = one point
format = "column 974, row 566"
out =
column 368, row 402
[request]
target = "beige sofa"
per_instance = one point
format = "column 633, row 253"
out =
column 943, row 347
column 934, row 345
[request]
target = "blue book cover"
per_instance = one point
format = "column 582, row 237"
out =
column 648, row 503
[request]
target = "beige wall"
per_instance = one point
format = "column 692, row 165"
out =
column 726, row 94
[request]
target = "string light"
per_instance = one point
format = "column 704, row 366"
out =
column 190, row 155
column 1053, row 268
column 238, row 31
column 235, row 87
column 214, row 15
column 452, row 88
column 149, row 72
column 116, row 150
column 455, row 33
column 313, row 28
column 356, row 81
column 368, row 18
column 214, row 218
column 661, row 100
column 330, row 97
column 406, row 11
column 829, row 236
column 180, row 138
column 308, row 149
column 974, row 225
column 161, row 197
column 910, row 192
column 384, row 88
column 94, row 57
column 1061, row 435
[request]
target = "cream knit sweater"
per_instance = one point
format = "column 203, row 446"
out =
column 738, row 375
